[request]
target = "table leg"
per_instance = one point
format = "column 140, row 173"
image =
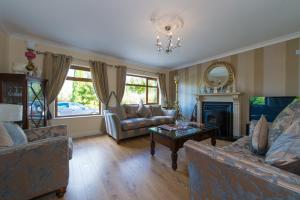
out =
column 152, row 148
column 174, row 160
column 213, row 140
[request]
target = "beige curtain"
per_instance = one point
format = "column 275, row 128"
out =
column 163, row 89
column 121, row 81
column 100, row 81
column 55, row 70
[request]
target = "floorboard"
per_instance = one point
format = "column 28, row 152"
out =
column 102, row 169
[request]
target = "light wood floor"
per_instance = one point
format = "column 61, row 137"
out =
column 100, row 169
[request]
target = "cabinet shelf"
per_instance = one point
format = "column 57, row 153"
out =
column 27, row 91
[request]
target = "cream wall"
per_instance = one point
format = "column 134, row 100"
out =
column 3, row 51
column 79, row 126
column 269, row 71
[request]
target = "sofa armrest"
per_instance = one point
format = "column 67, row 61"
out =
column 212, row 168
column 46, row 132
column 113, row 125
column 30, row 170
column 169, row 112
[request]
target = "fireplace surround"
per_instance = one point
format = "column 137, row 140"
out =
column 233, row 98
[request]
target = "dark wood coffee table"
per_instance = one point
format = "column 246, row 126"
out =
column 175, row 139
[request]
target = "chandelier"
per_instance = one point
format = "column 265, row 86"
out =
column 170, row 46
column 167, row 25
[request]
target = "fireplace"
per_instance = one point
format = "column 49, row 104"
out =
column 219, row 114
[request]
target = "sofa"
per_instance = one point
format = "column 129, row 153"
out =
column 235, row 172
column 125, row 122
column 38, row 166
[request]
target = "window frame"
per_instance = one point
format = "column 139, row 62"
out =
column 147, row 87
column 76, row 67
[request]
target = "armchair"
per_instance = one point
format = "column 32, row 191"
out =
column 38, row 167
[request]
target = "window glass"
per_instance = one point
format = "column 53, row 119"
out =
column 140, row 88
column 135, row 80
column 77, row 96
column 152, row 95
column 152, row 82
column 79, row 73
column 133, row 94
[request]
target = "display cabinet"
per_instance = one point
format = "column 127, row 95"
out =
column 28, row 91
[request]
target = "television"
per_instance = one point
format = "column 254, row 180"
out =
column 270, row 107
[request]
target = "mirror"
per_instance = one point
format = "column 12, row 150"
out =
column 218, row 75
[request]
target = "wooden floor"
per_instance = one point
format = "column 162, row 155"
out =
column 100, row 169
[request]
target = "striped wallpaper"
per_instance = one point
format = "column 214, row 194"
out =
column 269, row 71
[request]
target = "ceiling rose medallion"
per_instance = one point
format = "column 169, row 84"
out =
column 168, row 26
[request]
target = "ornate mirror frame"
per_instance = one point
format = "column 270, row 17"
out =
column 229, row 79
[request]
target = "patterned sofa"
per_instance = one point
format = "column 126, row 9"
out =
column 227, row 173
column 235, row 172
column 134, row 125
column 37, row 167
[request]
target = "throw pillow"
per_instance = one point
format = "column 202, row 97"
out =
column 131, row 110
column 5, row 139
column 156, row 110
column 285, row 151
column 259, row 137
column 16, row 133
column 284, row 119
column 143, row 111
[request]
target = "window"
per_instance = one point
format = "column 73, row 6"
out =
column 77, row 96
column 141, row 88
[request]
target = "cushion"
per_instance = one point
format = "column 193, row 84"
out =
column 284, row 120
column 5, row 139
column 17, row 134
column 130, row 110
column 241, row 149
column 143, row 111
column 119, row 111
column 156, row 110
column 259, row 137
column 135, row 123
column 285, row 151
column 158, row 120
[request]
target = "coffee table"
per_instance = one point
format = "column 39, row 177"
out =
column 175, row 139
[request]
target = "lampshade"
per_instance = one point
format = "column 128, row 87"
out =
column 10, row 112
column 176, row 78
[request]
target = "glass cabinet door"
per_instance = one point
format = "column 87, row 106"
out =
column 12, row 92
column 36, row 104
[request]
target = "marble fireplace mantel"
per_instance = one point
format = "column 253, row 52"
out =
column 235, row 98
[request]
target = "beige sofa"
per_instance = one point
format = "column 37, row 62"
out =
column 133, row 124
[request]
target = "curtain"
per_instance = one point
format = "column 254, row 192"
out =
column 121, row 81
column 55, row 70
column 100, row 81
column 163, row 88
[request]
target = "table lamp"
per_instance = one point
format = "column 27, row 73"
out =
column 11, row 112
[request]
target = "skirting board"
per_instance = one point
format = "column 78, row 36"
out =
column 85, row 133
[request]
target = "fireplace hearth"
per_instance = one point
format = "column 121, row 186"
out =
column 219, row 114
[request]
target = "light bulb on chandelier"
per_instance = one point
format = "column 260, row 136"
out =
column 170, row 46
column 167, row 25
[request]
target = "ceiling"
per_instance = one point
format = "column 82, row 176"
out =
column 122, row 28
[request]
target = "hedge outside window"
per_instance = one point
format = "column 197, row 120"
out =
column 141, row 88
column 77, row 96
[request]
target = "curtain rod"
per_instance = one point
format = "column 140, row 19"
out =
column 109, row 65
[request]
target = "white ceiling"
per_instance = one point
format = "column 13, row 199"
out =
column 122, row 28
